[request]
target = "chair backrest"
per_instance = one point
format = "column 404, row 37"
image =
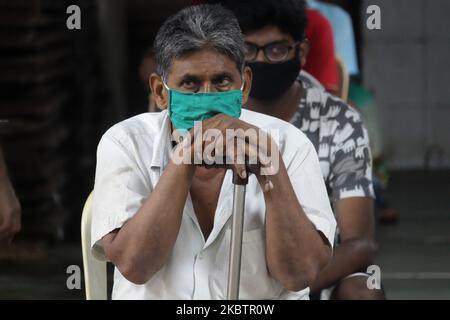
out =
column 344, row 79
column 95, row 275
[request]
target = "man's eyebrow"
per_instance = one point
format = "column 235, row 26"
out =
column 195, row 78
column 222, row 75
column 190, row 77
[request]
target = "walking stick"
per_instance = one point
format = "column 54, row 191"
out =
column 237, row 226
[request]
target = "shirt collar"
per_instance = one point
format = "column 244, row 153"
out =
column 162, row 143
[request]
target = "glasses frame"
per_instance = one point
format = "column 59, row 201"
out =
column 265, row 47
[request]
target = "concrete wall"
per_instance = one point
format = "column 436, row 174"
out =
column 407, row 64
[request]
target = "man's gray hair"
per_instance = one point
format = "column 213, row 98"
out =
column 195, row 28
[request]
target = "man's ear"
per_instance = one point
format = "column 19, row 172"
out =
column 304, row 50
column 247, row 76
column 158, row 91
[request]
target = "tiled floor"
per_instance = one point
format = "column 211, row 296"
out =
column 414, row 255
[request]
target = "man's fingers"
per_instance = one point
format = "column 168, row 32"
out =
column 239, row 159
column 239, row 148
column 266, row 184
column 241, row 170
column 254, row 154
column 208, row 152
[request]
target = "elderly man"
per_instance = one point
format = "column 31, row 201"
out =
column 165, row 224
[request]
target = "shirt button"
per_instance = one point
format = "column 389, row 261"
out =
column 200, row 255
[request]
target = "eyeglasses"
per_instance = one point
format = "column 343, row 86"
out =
column 274, row 52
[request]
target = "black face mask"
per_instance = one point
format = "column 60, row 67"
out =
column 271, row 80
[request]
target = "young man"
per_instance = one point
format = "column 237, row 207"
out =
column 276, row 50
column 165, row 224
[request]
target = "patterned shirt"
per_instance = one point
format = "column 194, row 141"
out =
column 341, row 141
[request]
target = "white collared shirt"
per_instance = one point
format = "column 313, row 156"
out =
column 131, row 158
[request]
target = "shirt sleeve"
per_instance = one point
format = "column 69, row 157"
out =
column 304, row 171
column 120, row 190
column 351, row 159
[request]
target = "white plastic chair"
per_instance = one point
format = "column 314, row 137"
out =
column 94, row 270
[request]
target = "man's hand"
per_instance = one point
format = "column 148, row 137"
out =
column 9, row 211
column 245, row 149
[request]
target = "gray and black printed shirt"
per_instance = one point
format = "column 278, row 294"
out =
column 341, row 141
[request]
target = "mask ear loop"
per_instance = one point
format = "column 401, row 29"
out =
column 168, row 95
column 242, row 86
column 166, row 86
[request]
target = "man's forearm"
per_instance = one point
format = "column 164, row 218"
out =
column 143, row 244
column 295, row 251
column 348, row 257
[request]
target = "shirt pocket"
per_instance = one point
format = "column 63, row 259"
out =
column 255, row 281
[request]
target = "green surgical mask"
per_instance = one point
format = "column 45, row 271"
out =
column 185, row 108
